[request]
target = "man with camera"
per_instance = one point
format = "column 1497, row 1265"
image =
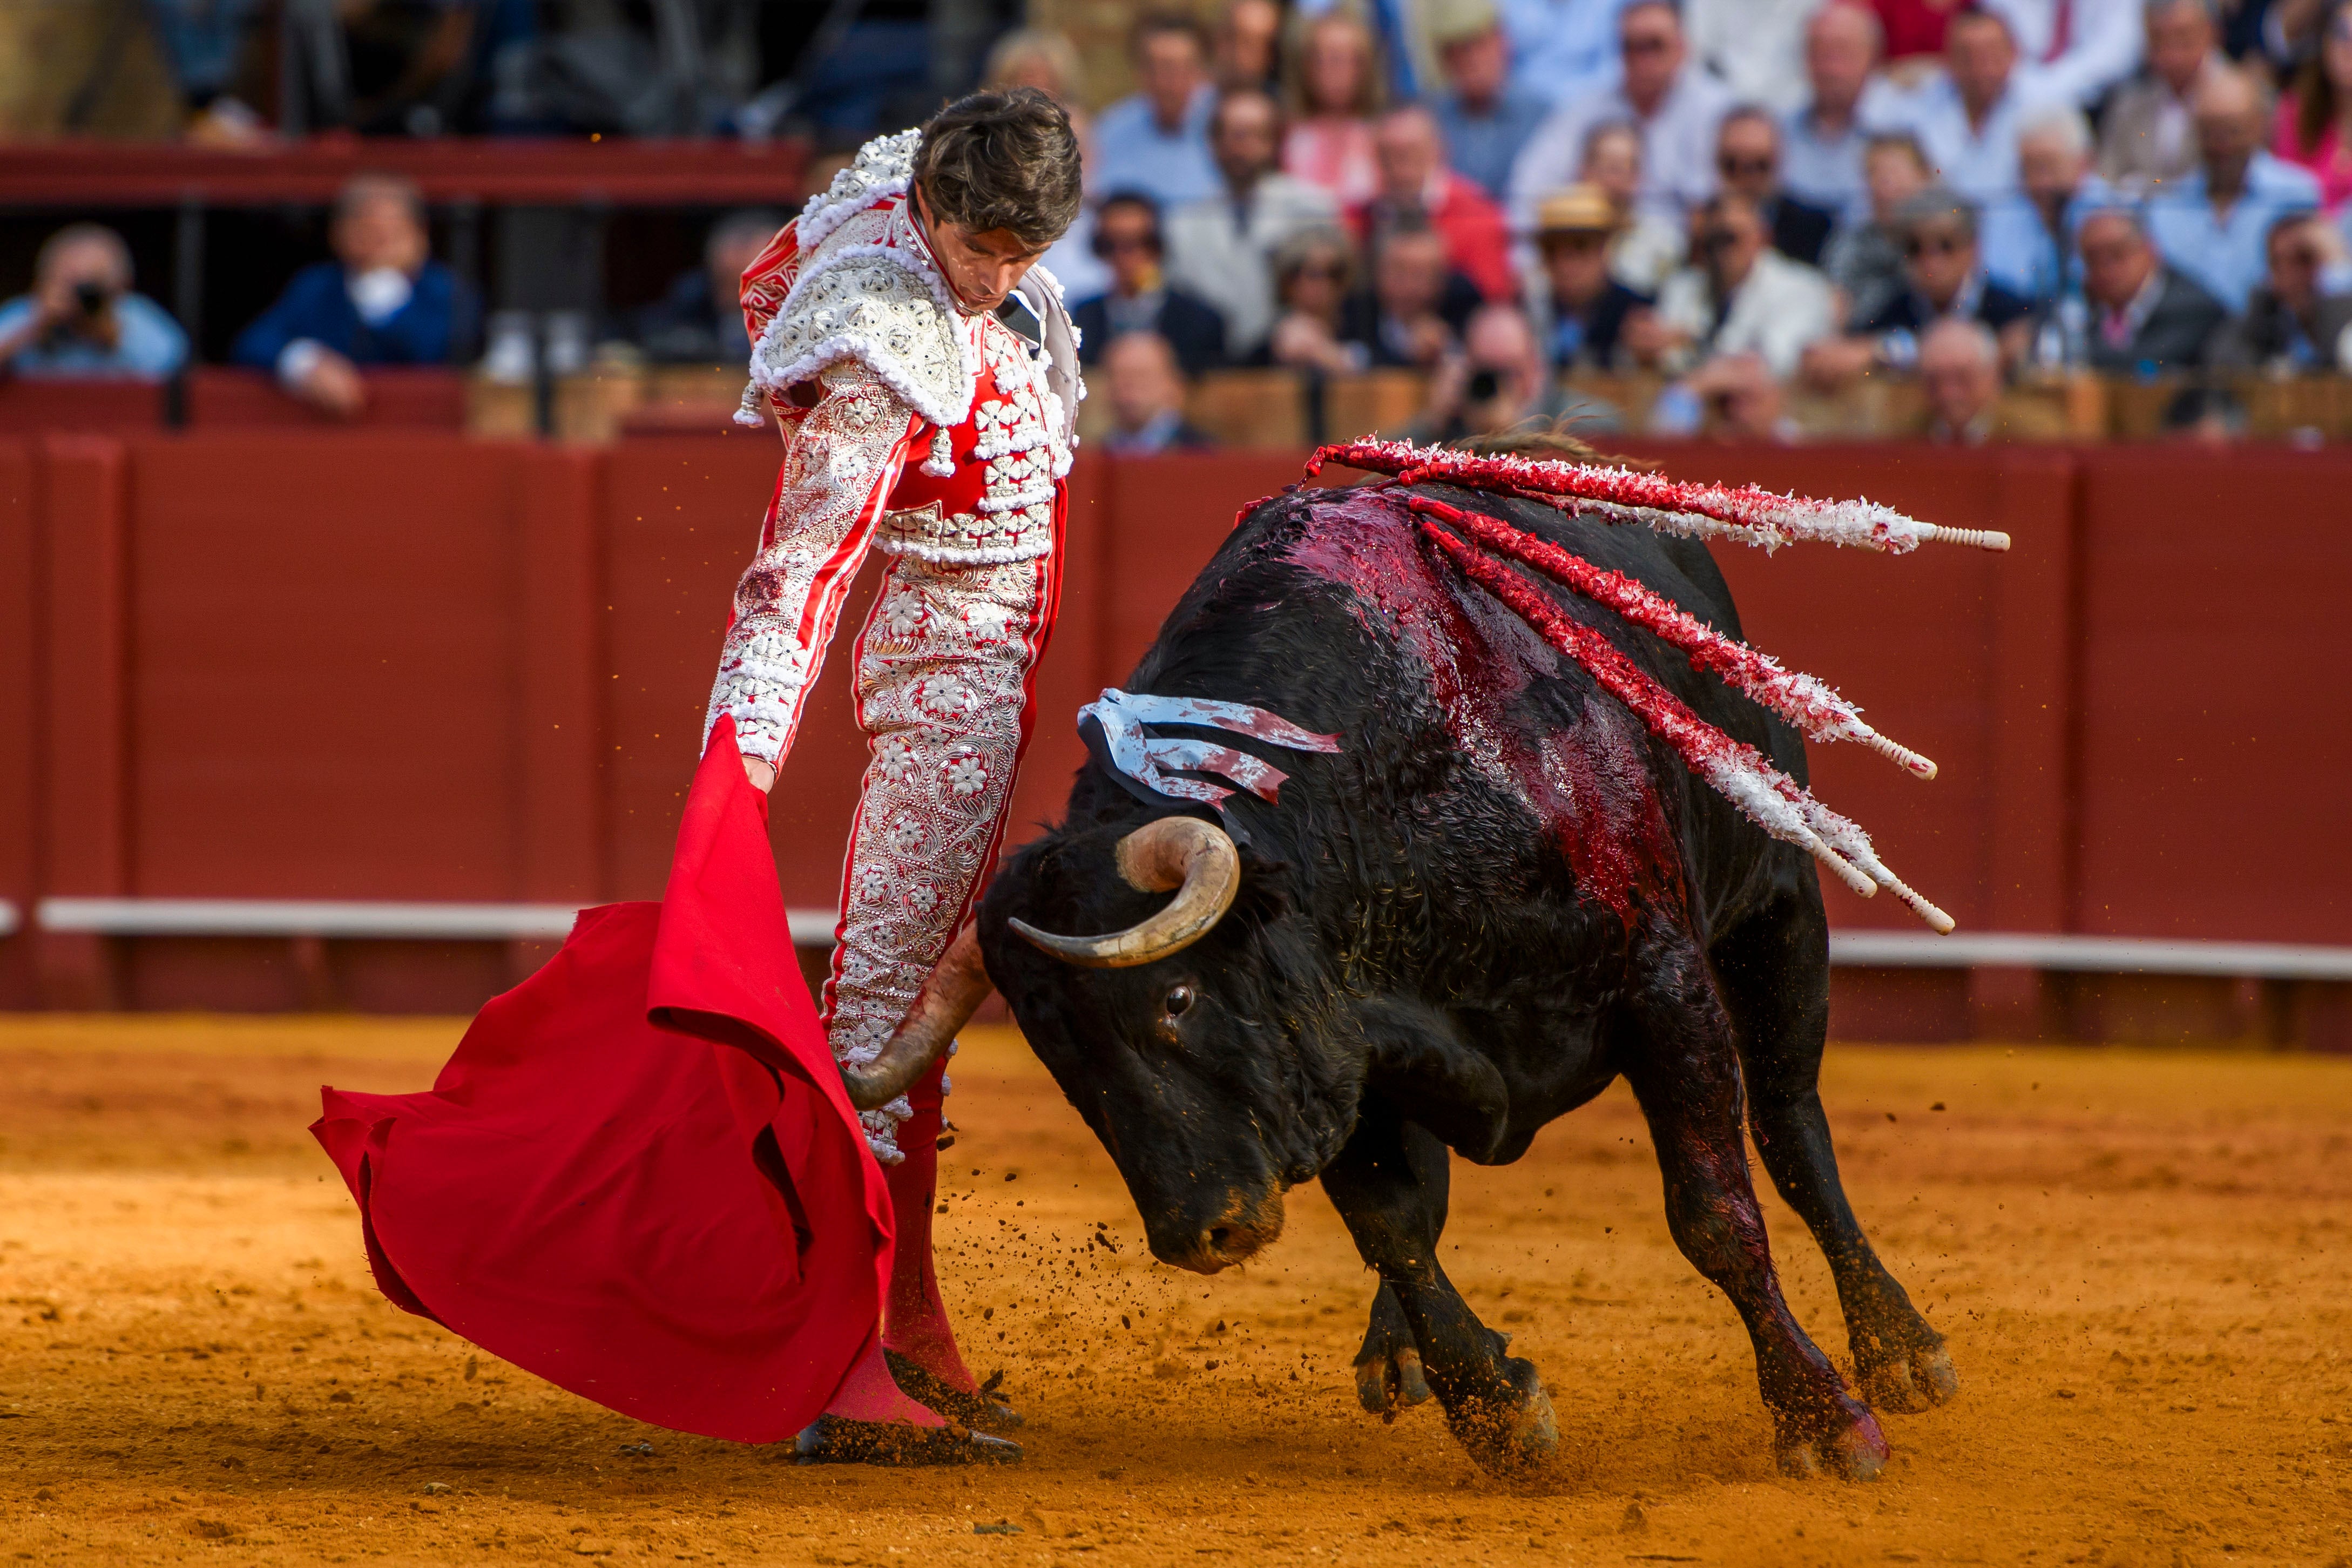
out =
column 81, row 317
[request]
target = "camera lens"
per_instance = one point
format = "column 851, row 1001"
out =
column 1484, row 385
column 91, row 297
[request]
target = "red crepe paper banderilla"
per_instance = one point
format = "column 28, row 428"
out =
column 1741, row 774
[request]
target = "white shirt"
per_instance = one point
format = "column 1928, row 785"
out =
column 1978, row 163
column 2104, row 40
column 1781, row 307
column 1678, row 147
column 1226, row 257
column 1756, row 46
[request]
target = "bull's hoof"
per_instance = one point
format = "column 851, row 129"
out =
column 1910, row 1383
column 1855, row 1451
column 833, row 1440
column 1511, row 1436
column 981, row 1410
column 1391, row 1383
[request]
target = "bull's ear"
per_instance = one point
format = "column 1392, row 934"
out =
column 1419, row 1062
column 1267, row 887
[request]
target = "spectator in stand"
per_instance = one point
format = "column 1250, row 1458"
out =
column 701, row 320
column 2314, row 120
column 2299, row 322
column 1943, row 280
column 1647, row 248
column 1577, row 311
column 1417, row 306
column 1045, row 59
column 1336, row 86
column 1498, row 384
column 2075, row 51
column 1562, row 50
column 1221, row 249
column 1487, row 116
column 1146, row 399
column 382, row 300
column 2147, row 139
column 82, row 318
column 1822, row 140
column 1960, row 370
column 1418, row 191
column 1156, row 139
column 1755, row 47
column 2212, row 224
column 1140, row 299
column 1249, row 44
column 1748, row 160
column 1865, row 260
column 1315, row 276
column 1731, row 398
column 1967, row 120
column 2029, row 237
column 1673, row 103
column 1739, row 296
column 2147, row 316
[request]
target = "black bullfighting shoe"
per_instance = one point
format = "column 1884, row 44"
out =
column 982, row 1409
column 836, row 1440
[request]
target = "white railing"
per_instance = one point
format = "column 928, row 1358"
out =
column 343, row 919
column 359, row 920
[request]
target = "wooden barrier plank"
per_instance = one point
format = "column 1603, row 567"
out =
column 323, row 686
column 21, row 751
column 84, row 826
column 2214, row 743
column 559, row 727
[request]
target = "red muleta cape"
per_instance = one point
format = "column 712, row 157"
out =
column 639, row 1176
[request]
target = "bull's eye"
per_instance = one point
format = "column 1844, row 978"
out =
column 1178, row 1002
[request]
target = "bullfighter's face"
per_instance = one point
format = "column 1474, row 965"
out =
column 1202, row 1072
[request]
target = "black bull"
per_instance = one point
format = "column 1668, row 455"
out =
column 1499, row 896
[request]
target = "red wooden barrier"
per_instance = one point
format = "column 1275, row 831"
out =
column 382, row 666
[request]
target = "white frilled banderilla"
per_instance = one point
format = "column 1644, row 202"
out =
column 1741, row 774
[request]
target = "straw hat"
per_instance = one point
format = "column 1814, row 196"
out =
column 1579, row 209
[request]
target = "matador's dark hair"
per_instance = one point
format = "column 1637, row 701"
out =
column 1002, row 160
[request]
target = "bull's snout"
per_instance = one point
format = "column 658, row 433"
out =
column 1242, row 1228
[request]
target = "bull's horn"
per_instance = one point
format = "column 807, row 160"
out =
column 956, row 986
column 1194, row 856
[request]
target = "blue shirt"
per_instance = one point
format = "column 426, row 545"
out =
column 2227, row 255
column 2022, row 255
column 149, row 345
column 1133, row 154
column 1978, row 165
column 1825, row 171
column 1563, row 50
column 316, row 305
column 1481, row 147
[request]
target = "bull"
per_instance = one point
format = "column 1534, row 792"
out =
column 1498, row 896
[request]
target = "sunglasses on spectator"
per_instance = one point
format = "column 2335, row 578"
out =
column 1129, row 242
column 1328, row 272
column 1647, row 43
column 1573, row 239
column 1731, row 164
column 1922, row 245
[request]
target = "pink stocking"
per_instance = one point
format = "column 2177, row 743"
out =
column 915, row 1318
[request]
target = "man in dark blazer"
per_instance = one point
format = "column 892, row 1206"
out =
column 1748, row 160
column 2147, row 316
column 382, row 300
column 1141, row 300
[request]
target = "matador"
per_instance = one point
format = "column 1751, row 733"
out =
column 923, row 372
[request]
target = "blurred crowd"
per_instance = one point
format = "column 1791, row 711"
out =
column 1743, row 199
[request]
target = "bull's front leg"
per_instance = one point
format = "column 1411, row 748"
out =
column 1389, row 1186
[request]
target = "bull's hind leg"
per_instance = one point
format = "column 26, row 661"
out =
column 1686, row 1072
column 1774, row 975
column 1389, row 1185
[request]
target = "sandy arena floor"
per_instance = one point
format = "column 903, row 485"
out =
column 2144, row 1262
